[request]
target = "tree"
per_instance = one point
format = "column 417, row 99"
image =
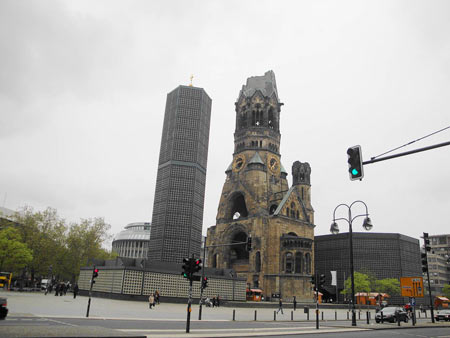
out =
column 391, row 286
column 14, row 255
column 446, row 290
column 362, row 284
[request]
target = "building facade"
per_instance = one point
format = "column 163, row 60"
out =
column 257, row 201
column 180, row 185
column 133, row 241
column 439, row 263
column 384, row 255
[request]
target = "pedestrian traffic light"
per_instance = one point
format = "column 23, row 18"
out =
column 204, row 282
column 248, row 246
column 424, row 262
column 94, row 275
column 313, row 280
column 321, row 280
column 355, row 163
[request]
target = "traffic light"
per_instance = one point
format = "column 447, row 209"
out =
column 204, row 283
column 355, row 165
column 321, row 280
column 196, row 266
column 426, row 241
column 94, row 275
column 186, row 268
column 248, row 246
column 313, row 280
column 424, row 262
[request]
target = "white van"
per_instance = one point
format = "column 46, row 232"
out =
column 44, row 284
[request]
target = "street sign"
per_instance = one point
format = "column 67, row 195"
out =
column 411, row 286
column 412, row 301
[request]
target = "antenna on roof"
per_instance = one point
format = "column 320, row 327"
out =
column 192, row 76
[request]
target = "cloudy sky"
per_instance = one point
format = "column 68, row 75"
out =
column 83, row 86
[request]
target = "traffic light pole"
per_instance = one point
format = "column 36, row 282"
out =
column 317, row 299
column 188, row 321
column 428, row 278
column 373, row 160
column 90, row 293
column 201, row 289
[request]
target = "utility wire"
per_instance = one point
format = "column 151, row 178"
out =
column 407, row 144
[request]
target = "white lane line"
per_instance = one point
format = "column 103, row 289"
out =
column 60, row 322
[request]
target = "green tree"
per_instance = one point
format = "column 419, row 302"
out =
column 14, row 255
column 446, row 290
column 391, row 286
column 362, row 284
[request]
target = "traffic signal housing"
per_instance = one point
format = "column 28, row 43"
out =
column 94, row 275
column 355, row 163
column 426, row 241
column 313, row 280
column 424, row 262
column 196, row 266
column 248, row 246
column 186, row 268
column 204, row 282
column 321, row 280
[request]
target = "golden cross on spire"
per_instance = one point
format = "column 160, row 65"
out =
column 192, row 76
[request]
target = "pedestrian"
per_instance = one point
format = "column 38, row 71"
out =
column 57, row 289
column 280, row 306
column 75, row 290
column 61, row 288
column 151, row 300
column 295, row 303
column 157, row 297
column 214, row 302
column 218, row 301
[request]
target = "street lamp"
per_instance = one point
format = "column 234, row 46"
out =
column 335, row 230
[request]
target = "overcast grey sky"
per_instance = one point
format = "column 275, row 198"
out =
column 83, row 86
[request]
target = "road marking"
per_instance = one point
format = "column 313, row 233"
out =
column 60, row 322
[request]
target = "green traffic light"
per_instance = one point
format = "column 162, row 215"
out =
column 355, row 172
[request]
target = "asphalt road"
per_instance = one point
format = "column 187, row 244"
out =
column 37, row 315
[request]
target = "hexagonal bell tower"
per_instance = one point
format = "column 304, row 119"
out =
column 256, row 201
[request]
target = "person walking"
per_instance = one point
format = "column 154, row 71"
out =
column 295, row 303
column 151, row 300
column 280, row 306
column 75, row 290
column 157, row 297
column 218, row 301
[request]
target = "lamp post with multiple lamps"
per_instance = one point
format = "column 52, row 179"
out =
column 335, row 230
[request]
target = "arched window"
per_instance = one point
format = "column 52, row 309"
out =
column 289, row 262
column 258, row 262
column 287, row 212
column 239, row 251
column 298, row 215
column 214, row 261
column 307, row 268
column 238, row 207
column 293, row 210
column 298, row 262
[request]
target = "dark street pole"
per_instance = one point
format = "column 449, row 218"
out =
column 352, row 269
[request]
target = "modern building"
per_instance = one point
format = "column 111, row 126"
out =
column 439, row 263
column 257, row 202
column 132, row 242
column 177, row 218
column 384, row 255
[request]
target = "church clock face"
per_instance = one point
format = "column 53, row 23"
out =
column 238, row 163
column 273, row 165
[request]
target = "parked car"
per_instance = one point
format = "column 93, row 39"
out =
column 443, row 315
column 3, row 308
column 391, row 313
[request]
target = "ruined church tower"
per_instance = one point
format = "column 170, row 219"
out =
column 257, row 201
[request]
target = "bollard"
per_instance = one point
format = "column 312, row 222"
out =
column 255, row 314
column 419, row 315
column 234, row 315
column 274, row 315
column 335, row 315
column 292, row 315
column 425, row 314
column 382, row 317
column 359, row 314
column 398, row 319
column 307, row 315
column 367, row 315
column 322, row 315
column 347, row 315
